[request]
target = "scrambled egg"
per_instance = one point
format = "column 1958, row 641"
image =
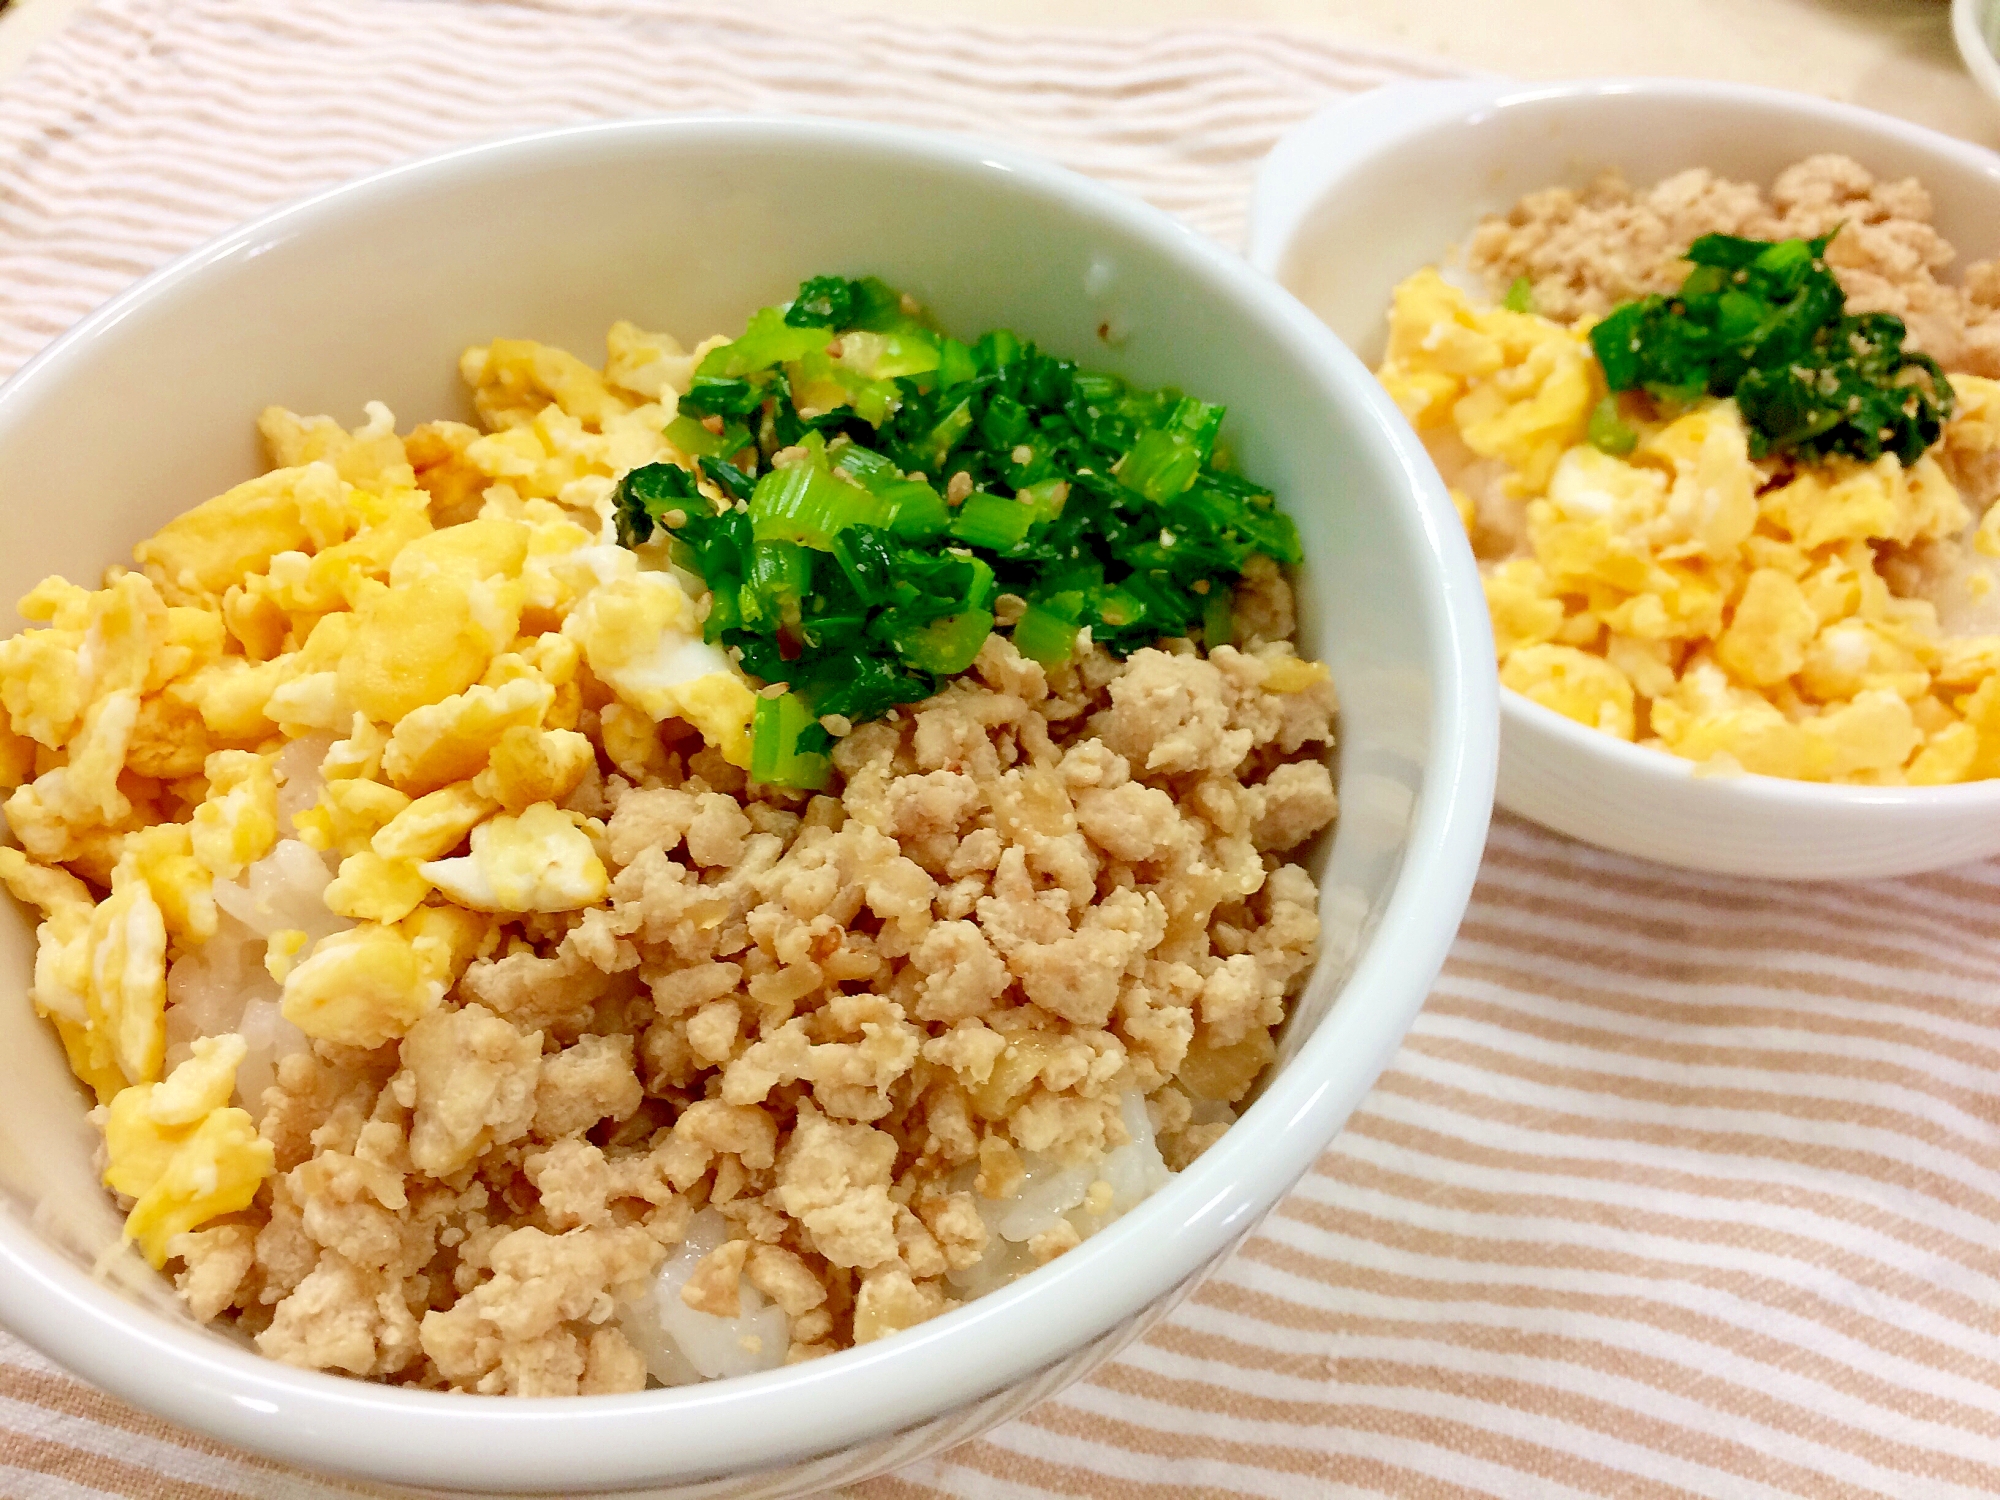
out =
column 442, row 610
column 181, row 1150
column 1685, row 596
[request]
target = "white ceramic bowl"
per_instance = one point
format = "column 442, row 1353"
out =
column 1364, row 193
column 371, row 291
column 1975, row 26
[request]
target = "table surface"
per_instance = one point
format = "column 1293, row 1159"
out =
column 1892, row 55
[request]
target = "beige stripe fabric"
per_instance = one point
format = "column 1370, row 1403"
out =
column 1679, row 1187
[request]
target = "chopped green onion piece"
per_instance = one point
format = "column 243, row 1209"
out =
column 867, row 468
column 878, row 307
column 913, row 508
column 1045, row 497
column 1609, row 432
column 1006, row 421
column 956, row 364
column 916, row 511
column 807, row 505
column 888, row 356
column 947, row 644
column 696, row 441
column 992, row 522
column 1047, row 631
column 1160, row 465
column 946, row 435
column 774, row 592
column 1218, row 624
column 997, row 351
column 1198, row 422
column 768, row 340
column 1520, row 296
column 776, row 757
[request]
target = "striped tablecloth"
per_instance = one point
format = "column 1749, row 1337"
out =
column 1678, row 1187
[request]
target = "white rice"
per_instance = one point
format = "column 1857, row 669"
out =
column 222, row 985
column 681, row 1345
column 1050, row 1191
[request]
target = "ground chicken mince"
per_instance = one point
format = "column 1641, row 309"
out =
column 1651, row 572
column 460, row 1014
column 1585, row 252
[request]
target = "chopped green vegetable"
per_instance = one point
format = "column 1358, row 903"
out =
column 787, row 746
column 696, row 441
column 731, row 480
column 646, row 495
column 945, row 645
column 768, row 340
column 1160, row 465
column 1609, row 432
column 824, row 301
column 991, row 522
column 1046, row 632
column 1520, row 296
column 845, row 575
column 1218, row 623
column 1765, row 321
column 808, row 505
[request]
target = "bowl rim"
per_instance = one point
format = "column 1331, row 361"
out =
column 860, row 1395
column 1748, row 787
column 1969, row 32
column 1401, row 112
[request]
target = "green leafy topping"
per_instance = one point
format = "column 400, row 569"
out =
column 1765, row 321
column 1609, row 432
column 824, row 301
column 842, row 572
column 645, row 496
column 726, row 477
column 1520, row 296
column 787, row 745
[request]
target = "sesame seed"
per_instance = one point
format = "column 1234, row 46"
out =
column 837, row 725
column 958, row 488
column 675, row 519
column 1008, row 609
column 910, row 305
column 713, row 424
column 833, row 349
column 774, row 690
column 1022, row 454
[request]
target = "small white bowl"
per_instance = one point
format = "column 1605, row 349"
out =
column 1975, row 26
column 371, row 291
column 1364, row 193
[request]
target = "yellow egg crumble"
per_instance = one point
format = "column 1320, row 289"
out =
column 1761, row 615
column 417, row 608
